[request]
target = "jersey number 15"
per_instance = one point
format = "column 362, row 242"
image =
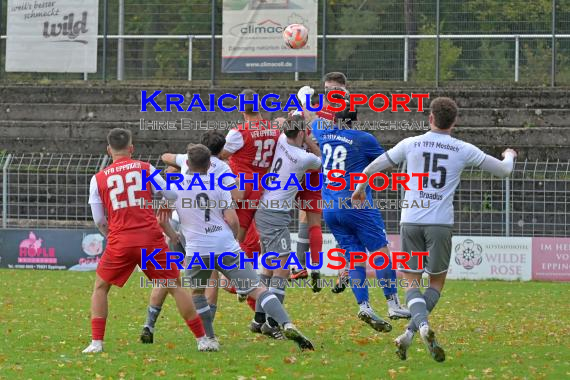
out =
column 435, row 168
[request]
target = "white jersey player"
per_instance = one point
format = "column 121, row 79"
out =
column 443, row 158
column 210, row 225
column 273, row 216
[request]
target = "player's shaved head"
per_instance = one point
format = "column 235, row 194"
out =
column 248, row 107
column 119, row 139
column 213, row 140
column 198, row 158
column 444, row 111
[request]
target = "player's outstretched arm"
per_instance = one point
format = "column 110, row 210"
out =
column 169, row 159
column 379, row 164
column 231, row 218
column 500, row 168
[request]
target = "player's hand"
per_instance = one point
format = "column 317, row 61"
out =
column 509, row 150
column 303, row 92
column 358, row 198
column 163, row 215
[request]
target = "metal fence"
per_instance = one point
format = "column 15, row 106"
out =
column 422, row 42
column 52, row 191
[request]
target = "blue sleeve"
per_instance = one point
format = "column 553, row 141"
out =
column 371, row 148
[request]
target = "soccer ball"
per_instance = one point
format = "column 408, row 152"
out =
column 295, row 36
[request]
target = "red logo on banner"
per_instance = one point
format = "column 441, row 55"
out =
column 32, row 252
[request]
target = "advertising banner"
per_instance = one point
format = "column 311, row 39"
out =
column 52, row 36
column 252, row 36
column 551, row 259
column 78, row 250
column 486, row 257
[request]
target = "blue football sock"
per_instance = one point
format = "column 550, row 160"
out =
column 357, row 278
column 389, row 276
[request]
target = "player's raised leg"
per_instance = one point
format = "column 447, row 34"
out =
column 249, row 283
column 388, row 279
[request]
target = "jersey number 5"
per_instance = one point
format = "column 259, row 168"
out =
column 434, row 168
column 264, row 152
column 117, row 186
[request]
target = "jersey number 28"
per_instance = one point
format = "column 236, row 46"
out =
column 338, row 155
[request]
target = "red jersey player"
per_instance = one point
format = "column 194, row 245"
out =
column 250, row 148
column 117, row 192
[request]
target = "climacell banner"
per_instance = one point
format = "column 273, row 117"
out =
column 78, row 250
column 52, row 36
column 252, row 36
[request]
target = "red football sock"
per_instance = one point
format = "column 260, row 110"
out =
column 98, row 328
column 196, row 326
column 315, row 243
column 251, row 302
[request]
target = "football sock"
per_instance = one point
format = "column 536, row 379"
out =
column 432, row 297
column 151, row 317
column 271, row 305
column 251, row 303
column 213, row 309
column 303, row 242
column 417, row 306
column 196, row 326
column 278, row 285
column 388, row 275
column 98, row 328
column 359, row 289
column 259, row 312
column 316, row 243
column 203, row 310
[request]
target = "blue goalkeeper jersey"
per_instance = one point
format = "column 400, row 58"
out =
column 345, row 149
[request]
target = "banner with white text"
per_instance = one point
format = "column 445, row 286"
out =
column 252, row 36
column 52, row 36
column 491, row 257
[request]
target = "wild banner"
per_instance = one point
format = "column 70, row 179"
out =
column 52, row 36
column 252, row 36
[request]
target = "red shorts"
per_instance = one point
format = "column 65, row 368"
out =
column 311, row 197
column 118, row 263
column 245, row 215
column 250, row 243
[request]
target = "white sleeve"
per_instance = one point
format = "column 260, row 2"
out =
column 397, row 154
column 499, row 168
column 379, row 164
column 181, row 159
column 228, row 181
column 158, row 179
column 312, row 162
column 234, row 141
column 94, row 196
column 168, row 194
column 473, row 155
column 226, row 196
column 98, row 213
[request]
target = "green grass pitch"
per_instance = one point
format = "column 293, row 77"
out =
column 490, row 329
